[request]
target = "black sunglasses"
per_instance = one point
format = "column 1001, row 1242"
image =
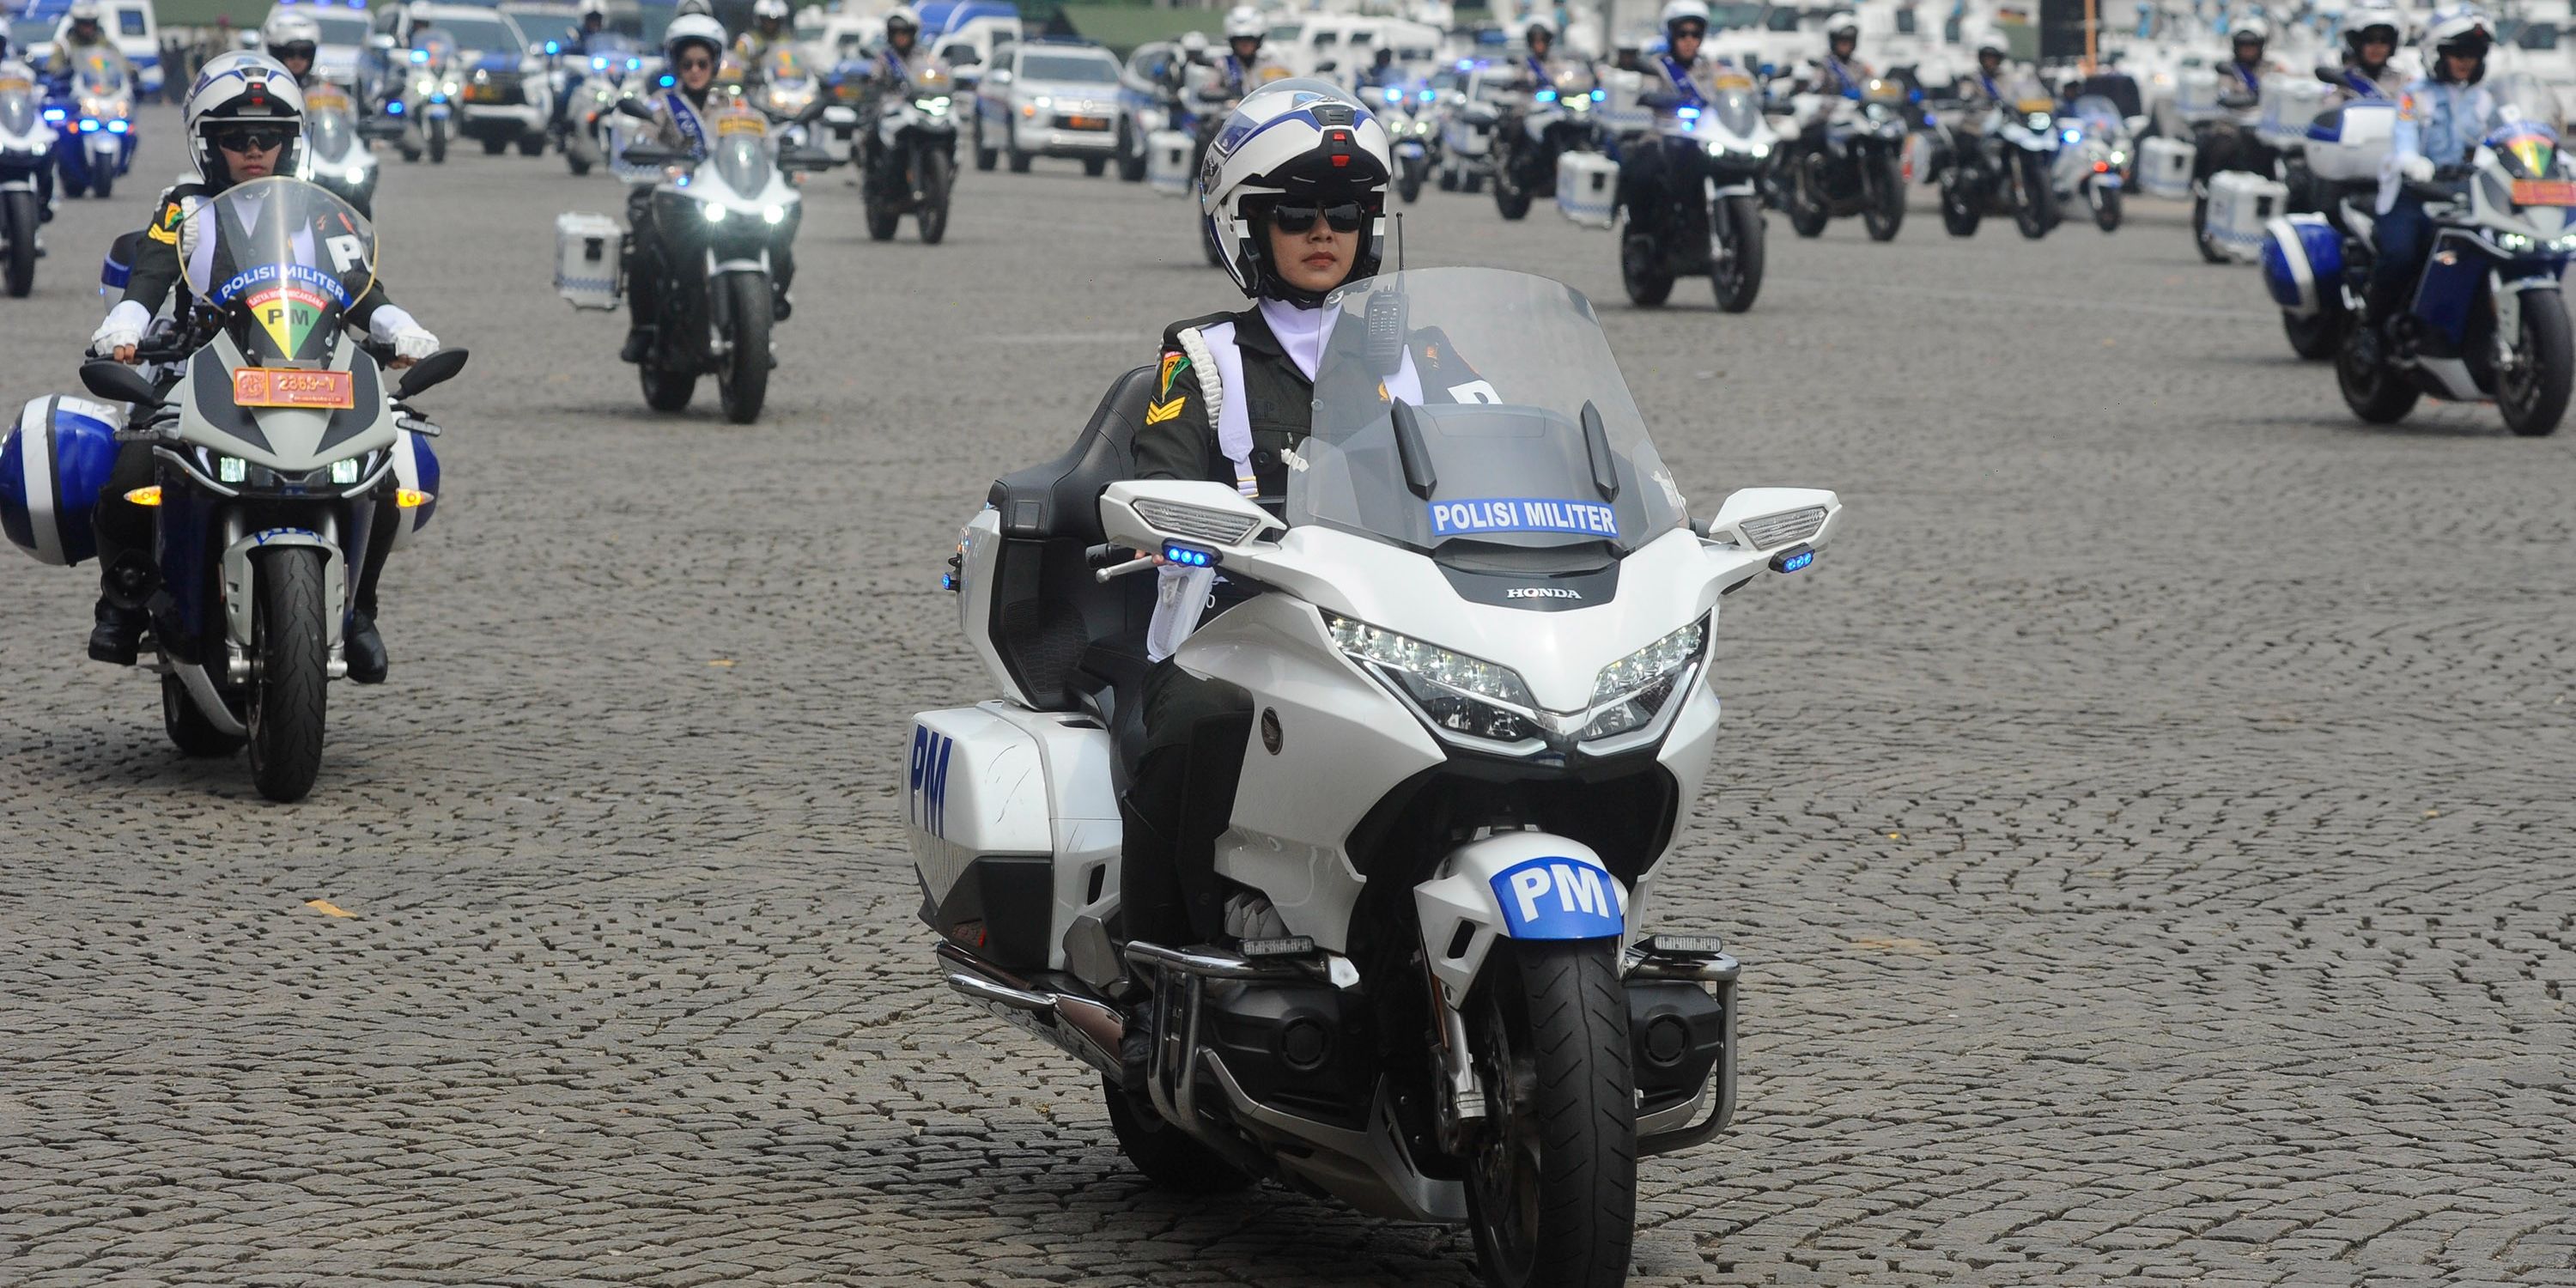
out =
column 1692, row 32
column 301, row 49
column 1343, row 218
column 690, row 64
column 256, row 139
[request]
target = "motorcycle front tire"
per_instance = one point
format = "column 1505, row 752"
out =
column 1168, row 1156
column 438, row 142
column 1807, row 215
column 1959, row 213
column 1737, row 278
column 985, row 158
column 19, row 210
column 288, row 699
column 1408, row 182
column 932, row 212
column 1131, row 156
column 2533, row 406
column 2106, row 208
column 102, row 185
column 1885, row 193
column 742, row 383
column 1552, row 1185
column 1511, row 195
column 2036, row 212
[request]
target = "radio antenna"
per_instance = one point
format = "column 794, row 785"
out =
column 1399, row 241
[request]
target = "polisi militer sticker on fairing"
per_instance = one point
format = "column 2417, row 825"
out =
column 1559, row 898
column 1523, row 514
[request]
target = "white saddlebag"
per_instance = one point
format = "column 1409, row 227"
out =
column 1586, row 183
column 2240, row 204
column 2164, row 167
column 2360, row 141
column 1014, row 828
column 586, row 260
column 1167, row 162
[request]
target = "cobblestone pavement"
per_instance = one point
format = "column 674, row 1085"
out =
column 2148, row 835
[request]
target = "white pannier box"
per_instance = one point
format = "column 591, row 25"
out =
column 2164, row 167
column 1167, row 162
column 2362, row 133
column 586, row 260
column 1586, row 184
column 2239, row 205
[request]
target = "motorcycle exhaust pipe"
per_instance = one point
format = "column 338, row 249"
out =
column 1085, row 1028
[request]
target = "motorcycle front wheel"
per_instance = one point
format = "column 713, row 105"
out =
column 931, row 213
column 742, row 383
column 102, row 185
column 19, row 210
column 1408, row 182
column 437, row 142
column 1168, row 1156
column 1883, row 189
column 2533, row 395
column 1959, row 213
column 1511, row 195
column 2033, row 214
column 2106, row 208
column 1552, row 1183
column 292, row 644
column 1736, row 263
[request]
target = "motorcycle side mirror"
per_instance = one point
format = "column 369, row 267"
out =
column 380, row 43
column 2330, row 75
column 814, row 159
column 646, row 154
column 1769, row 520
column 635, row 108
column 998, row 76
column 118, row 382
column 436, row 369
column 813, row 112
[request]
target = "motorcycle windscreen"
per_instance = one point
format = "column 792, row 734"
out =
column 330, row 136
column 284, row 259
column 1734, row 108
column 1520, row 422
column 740, row 152
column 100, row 78
column 18, row 110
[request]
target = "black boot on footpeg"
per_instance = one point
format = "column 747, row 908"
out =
column 118, row 634
column 364, row 650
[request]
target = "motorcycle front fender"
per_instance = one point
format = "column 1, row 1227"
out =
column 240, row 573
column 1512, row 885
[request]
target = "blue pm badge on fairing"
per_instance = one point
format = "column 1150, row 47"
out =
column 1558, row 898
column 1523, row 514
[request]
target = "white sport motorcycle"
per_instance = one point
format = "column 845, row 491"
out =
column 1477, row 709
column 26, row 149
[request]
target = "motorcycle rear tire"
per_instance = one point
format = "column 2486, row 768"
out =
column 882, row 219
column 666, row 390
column 2106, row 209
column 1552, row 1182
column 1168, row 1156
column 20, row 211
column 288, row 700
column 577, row 163
column 189, row 730
column 932, row 214
column 1448, row 180
column 74, row 187
column 2379, row 394
column 1885, row 193
column 1738, row 278
column 2200, row 233
column 2034, row 214
column 1641, row 270
column 2316, row 337
column 2533, row 409
column 1019, row 161
column 1095, row 166
column 742, row 383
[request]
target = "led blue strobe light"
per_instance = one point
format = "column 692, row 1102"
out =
column 1188, row 556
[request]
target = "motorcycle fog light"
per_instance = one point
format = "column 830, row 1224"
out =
column 345, row 471
column 1761, row 150
column 2514, row 241
column 233, row 469
column 774, row 214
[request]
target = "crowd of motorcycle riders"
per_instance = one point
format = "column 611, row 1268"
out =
column 244, row 118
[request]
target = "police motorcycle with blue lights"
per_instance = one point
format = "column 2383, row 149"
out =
column 2095, row 150
column 2453, row 290
column 1158, row 101
column 613, row 69
column 1548, row 114
column 2229, row 141
column 710, row 255
column 91, row 107
column 426, row 91
column 573, row 58
column 1331, row 839
column 1243, row 68
column 242, row 492
column 2000, row 156
column 1691, row 188
column 908, row 161
column 2348, row 146
column 1849, row 155
column 1410, row 110
column 26, row 173
column 337, row 153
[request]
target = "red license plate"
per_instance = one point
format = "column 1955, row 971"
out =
column 271, row 387
column 2544, row 192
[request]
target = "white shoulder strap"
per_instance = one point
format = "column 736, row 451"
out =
column 1213, row 351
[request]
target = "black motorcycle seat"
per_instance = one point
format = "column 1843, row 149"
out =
column 1060, row 500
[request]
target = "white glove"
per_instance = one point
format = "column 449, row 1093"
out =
column 124, row 326
column 411, row 341
column 2416, row 167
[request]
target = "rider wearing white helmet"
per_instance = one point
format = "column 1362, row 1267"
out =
column 1994, row 77
column 1659, row 170
column 2370, row 38
column 1294, row 193
column 83, row 40
column 692, row 48
column 2440, row 119
column 905, row 56
column 244, row 119
column 292, row 38
column 1841, row 72
column 2241, row 76
column 768, row 32
column 1244, row 68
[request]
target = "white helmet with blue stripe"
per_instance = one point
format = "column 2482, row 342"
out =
column 1298, row 140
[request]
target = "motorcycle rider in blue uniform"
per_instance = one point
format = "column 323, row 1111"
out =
column 2440, row 119
column 582, row 41
column 2369, row 42
column 1657, row 170
column 1842, row 73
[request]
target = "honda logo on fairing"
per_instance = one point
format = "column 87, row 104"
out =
column 1540, row 592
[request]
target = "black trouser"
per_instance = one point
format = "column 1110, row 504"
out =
column 1660, row 182
column 126, row 552
column 1179, row 798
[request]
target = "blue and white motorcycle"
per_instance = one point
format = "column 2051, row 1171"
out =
column 2486, row 320
column 26, row 149
column 93, row 120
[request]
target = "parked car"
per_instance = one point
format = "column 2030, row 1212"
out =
column 1054, row 98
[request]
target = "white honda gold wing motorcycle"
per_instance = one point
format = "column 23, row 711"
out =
column 1479, row 709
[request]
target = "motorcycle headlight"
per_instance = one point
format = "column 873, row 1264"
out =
column 773, row 214
column 2038, row 122
column 1630, row 693
column 1460, row 696
column 934, row 106
column 2515, row 242
column 715, row 213
column 233, row 469
column 450, row 87
column 345, row 470
column 357, row 174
